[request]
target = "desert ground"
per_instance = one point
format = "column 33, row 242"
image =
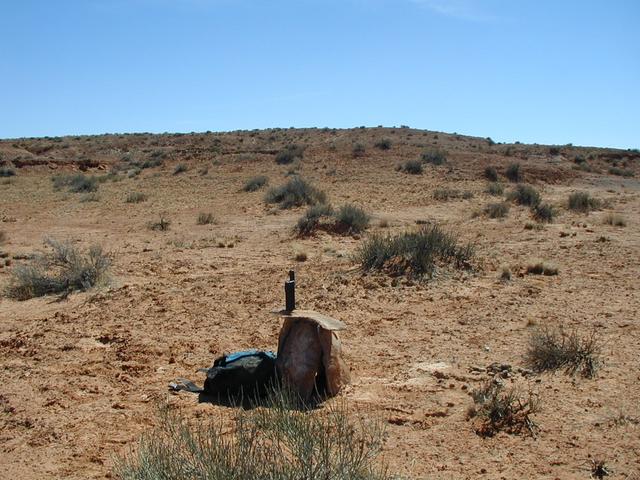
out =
column 82, row 374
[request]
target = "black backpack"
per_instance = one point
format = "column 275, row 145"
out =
column 247, row 374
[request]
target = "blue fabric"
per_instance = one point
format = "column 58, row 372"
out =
column 232, row 357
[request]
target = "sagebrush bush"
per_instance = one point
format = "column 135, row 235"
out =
column 136, row 197
column 351, row 219
column 413, row 167
column 553, row 349
column 295, row 193
column 358, row 150
column 544, row 212
column 75, row 183
column 497, row 210
column 514, row 173
column 434, row 157
column 621, row 172
column 205, row 219
column 383, row 144
column 491, row 174
column 496, row 189
column 583, row 202
column 180, row 168
column 161, row 225
column 7, row 172
column 276, row 443
column 499, row 409
column 414, row 254
column 62, row 270
column 312, row 218
column 525, row 195
column 255, row 183
column 290, row 154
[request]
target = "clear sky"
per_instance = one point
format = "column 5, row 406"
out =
column 545, row 71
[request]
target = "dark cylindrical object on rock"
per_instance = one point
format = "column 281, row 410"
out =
column 290, row 292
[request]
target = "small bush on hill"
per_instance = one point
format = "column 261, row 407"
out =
column 161, row 225
column 491, row 174
column 75, row 183
column 446, row 193
column 383, row 144
column 63, row 270
column 358, row 150
column 615, row 220
column 583, row 202
column 620, row 172
column 290, row 154
column 413, row 167
column 136, row 197
column 351, row 219
column 434, row 157
column 255, row 183
column 206, row 219
column 541, row 268
column 514, row 173
column 414, row 253
column 551, row 349
column 544, row 212
column 496, row 189
column 310, row 221
column 295, row 193
column 525, row 195
column 180, row 168
column 497, row 210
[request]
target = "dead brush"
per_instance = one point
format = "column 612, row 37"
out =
column 554, row 349
column 503, row 410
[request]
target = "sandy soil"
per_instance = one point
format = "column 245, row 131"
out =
column 80, row 377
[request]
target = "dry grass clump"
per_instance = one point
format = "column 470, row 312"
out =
column 496, row 189
column 615, row 220
column 62, row 270
column 621, row 172
column 491, row 174
column 544, row 212
column 348, row 219
column 413, row 167
column 136, row 197
column 505, row 273
column 295, row 193
column 205, row 219
column 434, row 157
column 514, row 173
column 525, row 195
column 75, row 183
column 501, row 410
column 497, row 210
column 383, row 144
column 277, row 443
column 444, row 194
column 358, row 150
column 415, row 254
column 290, row 154
column 180, row 168
column 583, row 202
column 553, row 349
column 541, row 268
column 255, row 183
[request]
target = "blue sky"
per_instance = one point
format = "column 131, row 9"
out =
column 545, row 71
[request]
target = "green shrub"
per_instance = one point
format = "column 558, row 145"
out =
column 491, row 174
column 351, row 219
column 75, row 183
column 7, row 172
column 312, row 218
column 434, row 157
column 413, row 167
column 497, row 210
column 525, row 195
column 136, row 197
column 255, row 183
column 276, row 443
column 63, row 270
column 514, row 173
column 383, row 144
column 555, row 349
column 496, row 189
column 620, row 172
column 544, row 212
column 295, row 193
column 583, row 202
column 206, row 219
column 414, row 253
column 290, row 154
column 180, row 168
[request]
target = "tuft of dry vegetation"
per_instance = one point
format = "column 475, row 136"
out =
column 205, row 219
column 583, row 202
column 497, row 210
column 496, row 189
column 413, row 167
column 383, row 144
column 278, row 443
column 615, row 220
column 75, row 183
column 255, row 183
column 136, row 197
column 621, row 172
column 543, row 212
column 525, row 195
column 295, row 193
column 180, row 168
column 63, row 270
column 290, row 154
column 514, row 173
column 161, row 225
column 541, row 268
column 414, row 254
column 434, row 157
column 491, row 174
column 348, row 219
column 554, row 349
column 502, row 410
